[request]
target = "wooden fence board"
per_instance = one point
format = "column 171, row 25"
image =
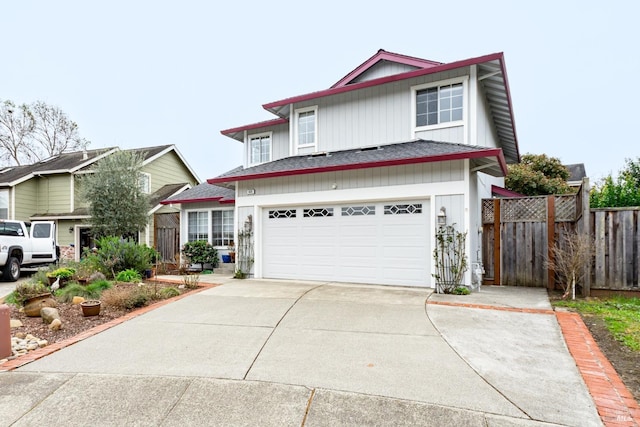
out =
column 524, row 239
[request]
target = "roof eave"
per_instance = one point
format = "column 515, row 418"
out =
column 221, row 199
column 494, row 152
column 273, row 106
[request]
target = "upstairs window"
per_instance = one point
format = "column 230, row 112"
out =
column 144, row 181
column 260, row 146
column 439, row 104
column 306, row 126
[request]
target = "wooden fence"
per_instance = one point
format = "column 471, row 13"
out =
column 518, row 233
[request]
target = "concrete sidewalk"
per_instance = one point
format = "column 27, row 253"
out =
column 258, row 352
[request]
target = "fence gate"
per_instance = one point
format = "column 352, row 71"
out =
column 517, row 235
column 167, row 236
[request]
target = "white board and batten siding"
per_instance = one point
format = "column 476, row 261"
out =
column 377, row 243
column 371, row 116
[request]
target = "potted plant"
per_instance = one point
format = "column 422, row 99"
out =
column 232, row 252
column 90, row 307
column 62, row 273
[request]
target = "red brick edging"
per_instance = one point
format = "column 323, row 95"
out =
column 52, row 348
column 614, row 402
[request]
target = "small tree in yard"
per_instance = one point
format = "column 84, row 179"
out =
column 538, row 175
column 117, row 204
column 570, row 258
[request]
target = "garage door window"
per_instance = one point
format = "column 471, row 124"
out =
column 358, row 210
column 319, row 212
column 282, row 213
column 415, row 208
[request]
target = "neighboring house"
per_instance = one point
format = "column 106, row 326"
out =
column 346, row 184
column 50, row 190
column 577, row 173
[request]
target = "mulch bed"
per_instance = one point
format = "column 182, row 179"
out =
column 73, row 322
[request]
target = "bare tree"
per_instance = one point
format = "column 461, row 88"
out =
column 17, row 124
column 30, row 133
column 570, row 258
column 54, row 131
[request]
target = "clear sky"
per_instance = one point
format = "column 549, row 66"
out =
column 144, row 73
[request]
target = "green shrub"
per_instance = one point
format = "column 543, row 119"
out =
column 139, row 297
column 62, row 273
column 92, row 291
column 129, row 275
column 169, row 292
column 461, row 290
column 200, row 252
column 113, row 255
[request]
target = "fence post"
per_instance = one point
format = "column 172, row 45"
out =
column 586, row 230
column 497, row 256
column 551, row 240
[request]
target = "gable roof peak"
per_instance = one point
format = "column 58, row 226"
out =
column 383, row 55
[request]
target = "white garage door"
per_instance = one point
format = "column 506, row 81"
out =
column 380, row 243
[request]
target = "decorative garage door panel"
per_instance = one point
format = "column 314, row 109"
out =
column 349, row 243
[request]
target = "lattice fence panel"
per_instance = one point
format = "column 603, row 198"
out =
column 525, row 209
column 488, row 213
column 565, row 208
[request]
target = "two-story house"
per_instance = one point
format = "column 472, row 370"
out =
column 347, row 184
column 50, row 190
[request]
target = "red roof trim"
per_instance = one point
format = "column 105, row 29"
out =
column 388, row 79
column 497, row 152
column 221, row 200
column 265, row 123
column 500, row 191
column 382, row 55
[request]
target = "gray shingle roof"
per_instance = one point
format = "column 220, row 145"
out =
column 576, row 172
column 202, row 193
column 417, row 151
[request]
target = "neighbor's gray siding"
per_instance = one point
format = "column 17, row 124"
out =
column 363, row 178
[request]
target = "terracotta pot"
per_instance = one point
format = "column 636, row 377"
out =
column 90, row 307
column 33, row 305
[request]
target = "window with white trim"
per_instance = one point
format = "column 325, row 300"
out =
column 306, row 126
column 222, row 227
column 4, row 204
column 198, row 226
column 260, row 148
column 144, row 181
column 439, row 104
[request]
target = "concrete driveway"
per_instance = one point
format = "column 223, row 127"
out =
column 260, row 352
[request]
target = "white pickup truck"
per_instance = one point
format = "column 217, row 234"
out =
column 26, row 244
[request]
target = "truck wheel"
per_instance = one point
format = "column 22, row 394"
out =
column 11, row 271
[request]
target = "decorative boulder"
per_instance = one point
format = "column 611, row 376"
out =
column 49, row 314
column 55, row 325
column 33, row 305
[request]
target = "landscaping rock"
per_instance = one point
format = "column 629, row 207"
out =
column 49, row 314
column 15, row 323
column 77, row 300
column 55, row 325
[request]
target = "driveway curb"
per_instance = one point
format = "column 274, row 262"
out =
column 614, row 402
